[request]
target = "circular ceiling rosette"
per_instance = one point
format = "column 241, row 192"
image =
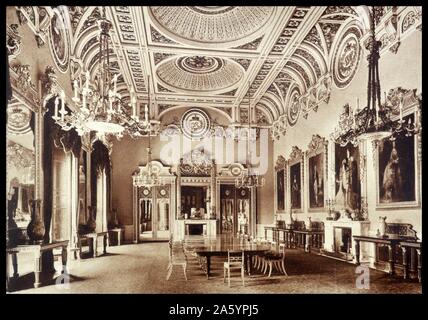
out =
column 212, row 26
column 196, row 74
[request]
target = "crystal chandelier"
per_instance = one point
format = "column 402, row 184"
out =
column 137, row 126
column 249, row 180
column 149, row 177
column 374, row 121
column 101, row 110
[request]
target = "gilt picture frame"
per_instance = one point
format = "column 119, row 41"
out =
column 295, row 175
column 280, row 185
column 397, row 169
column 316, row 177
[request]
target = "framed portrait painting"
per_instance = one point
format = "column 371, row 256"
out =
column 397, row 171
column 316, row 156
column 295, row 181
column 280, row 184
column 347, row 176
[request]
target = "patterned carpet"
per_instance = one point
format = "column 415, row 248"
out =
column 141, row 268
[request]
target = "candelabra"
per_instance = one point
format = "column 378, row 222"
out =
column 375, row 121
column 249, row 180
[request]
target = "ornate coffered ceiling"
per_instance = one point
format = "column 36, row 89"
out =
column 287, row 58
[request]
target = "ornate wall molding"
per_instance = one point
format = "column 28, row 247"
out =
column 296, row 155
column 280, row 163
column 23, row 87
column 196, row 163
column 38, row 19
column 13, row 41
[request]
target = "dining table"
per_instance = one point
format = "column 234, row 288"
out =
column 208, row 247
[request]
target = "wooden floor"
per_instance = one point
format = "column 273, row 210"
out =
column 142, row 268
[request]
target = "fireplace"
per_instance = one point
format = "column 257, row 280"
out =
column 338, row 241
column 196, row 229
column 342, row 240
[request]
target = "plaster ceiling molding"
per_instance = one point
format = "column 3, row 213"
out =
column 136, row 68
column 26, row 14
column 212, row 26
column 294, row 106
column 338, row 13
column 245, row 63
column 272, row 105
column 410, row 19
column 283, row 87
column 314, row 38
column 253, row 45
column 230, row 93
column 261, row 75
column 76, row 14
column 263, row 117
column 300, row 71
column 346, row 57
column 13, row 41
column 162, row 89
column 329, row 31
column 305, row 55
column 88, row 19
column 157, row 37
column 160, row 56
column 289, row 30
column 192, row 74
column 18, row 119
column 125, row 24
column 59, row 40
column 37, row 19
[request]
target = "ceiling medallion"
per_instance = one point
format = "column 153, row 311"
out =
column 210, row 26
column 59, row 45
column 199, row 74
column 18, row 119
column 294, row 109
column 199, row 64
column 195, row 124
column 346, row 59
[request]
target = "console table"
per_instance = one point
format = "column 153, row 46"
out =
column 37, row 250
column 118, row 232
column 390, row 242
column 411, row 245
column 93, row 243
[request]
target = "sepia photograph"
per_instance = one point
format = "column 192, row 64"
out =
column 194, row 150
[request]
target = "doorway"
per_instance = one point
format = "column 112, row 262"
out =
column 154, row 213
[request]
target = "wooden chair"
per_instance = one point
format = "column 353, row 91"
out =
column 235, row 260
column 258, row 261
column 275, row 259
column 176, row 258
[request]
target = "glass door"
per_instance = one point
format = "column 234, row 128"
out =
column 227, row 209
column 161, row 224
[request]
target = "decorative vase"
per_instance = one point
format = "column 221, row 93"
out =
column 36, row 228
column 382, row 226
column 91, row 224
column 115, row 221
column 309, row 224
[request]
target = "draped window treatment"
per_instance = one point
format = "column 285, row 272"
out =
column 100, row 178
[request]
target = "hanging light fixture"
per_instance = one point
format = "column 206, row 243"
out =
column 149, row 177
column 137, row 127
column 101, row 110
column 249, row 179
column 374, row 121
